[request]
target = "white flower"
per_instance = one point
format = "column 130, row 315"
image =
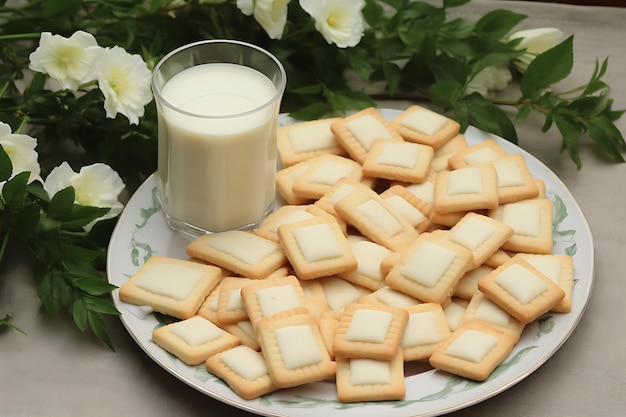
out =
column 339, row 21
column 270, row 14
column 494, row 78
column 246, row 6
column 535, row 41
column 124, row 80
column 67, row 60
column 95, row 185
column 21, row 151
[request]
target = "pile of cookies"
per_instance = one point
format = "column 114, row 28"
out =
column 397, row 242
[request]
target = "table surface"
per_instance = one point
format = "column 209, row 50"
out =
column 57, row 371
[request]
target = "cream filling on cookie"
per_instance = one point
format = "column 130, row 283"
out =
column 247, row 363
column 471, row 233
column 172, row 281
column 472, row 346
column 480, row 156
column 369, row 326
column 465, row 181
column 369, row 372
column 369, row 256
column 424, row 121
column 393, row 298
column 318, row 242
column 276, row 299
column 420, row 330
column 436, row 257
column 380, row 216
column 509, row 174
column 297, row 346
column 523, row 218
column 521, row 283
column 196, row 331
column 399, row 154
column 312, row 137
column 329, row 172
column 246, row 247
column 408, row 211
column 367, row 129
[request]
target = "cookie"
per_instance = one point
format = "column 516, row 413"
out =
column 466, row 189
column 426, row 329
column 242, row 252
column 521, row 290
column 171, row 286
column 299, row 142
column 357, row 133
column 364, row 379
column 323, row 172
column 193, row 340
column 421, row 125
column 401, row 161
column 316, row 247
column 484, row 152
column 244, row 370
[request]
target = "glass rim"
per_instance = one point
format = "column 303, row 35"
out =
column 279, row 89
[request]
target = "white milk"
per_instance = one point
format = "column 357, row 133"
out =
column 218, row 174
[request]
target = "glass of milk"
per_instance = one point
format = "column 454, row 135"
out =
column 218, row 103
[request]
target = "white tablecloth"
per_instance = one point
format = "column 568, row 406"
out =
column 56, row 371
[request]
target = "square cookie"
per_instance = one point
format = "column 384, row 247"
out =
column 466, row 189
column 421, row 125
column 363, row 379
column 302, row 141
column 401, row 161
column 171, row 286
column 357, row 133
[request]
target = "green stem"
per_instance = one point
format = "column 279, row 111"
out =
column 19, row 36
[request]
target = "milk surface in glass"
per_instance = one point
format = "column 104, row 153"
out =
column 218, row 173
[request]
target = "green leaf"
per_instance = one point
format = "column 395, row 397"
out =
column 310, row 112
column 606, row 136
column 571, row 134
column 80, row 216
column 6, row 322
column 6, row 167
column 14, row 191
column 53, row 292
column 92, row 285
column 61, row 204
column 498, row 23
column 79, row 313
column 454, row 3
column 98, row 326
column 101, row 305
column 548, row 68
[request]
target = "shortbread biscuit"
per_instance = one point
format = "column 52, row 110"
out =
column 389, row 297
column 302, row 141
column 342, row 188
column 288, row 213
column 446, row 263
column 357, row 133
column 421, row 125
column 531, row 221
column 400, row 161
column 293, row 347
column 208, row 308
column 339, row 292
column 316, row 247
column 230, row 307
column 244, row 370
column 323, row 172
column 498, row 258
column 363, row 379
column 193, row 340
column 560, row 269
column 515, row 182
column 483, row 309
column 374, row 218
column 454, row 310
column 369, row 331
column 465, row 189
column 484, row 152
column 287, row 177
column 170, row 286
column 446, row 151
column 244, row 332
column 468, row 284
column 481, row 235
column 315, row 296
column 520, row 289
column 328, row 329
column 426, row 329
column 473, row 351
column 267, row 297
column 239, row 251
column 414, row 210
column 369, row 256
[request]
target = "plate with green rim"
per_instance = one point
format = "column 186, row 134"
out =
column 142, row 231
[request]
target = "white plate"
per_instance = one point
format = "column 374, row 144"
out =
column 142, row 232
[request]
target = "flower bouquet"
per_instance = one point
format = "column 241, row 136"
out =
column 78, row 123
